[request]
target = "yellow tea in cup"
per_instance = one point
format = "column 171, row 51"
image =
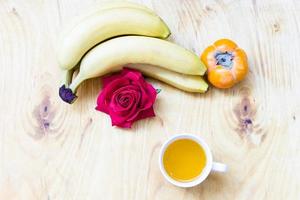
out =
column 184, row 160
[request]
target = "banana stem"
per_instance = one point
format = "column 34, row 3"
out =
column 67, row 77
column 75, row 84
column 65, row 93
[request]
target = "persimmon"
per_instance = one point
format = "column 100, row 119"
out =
column 226, row 63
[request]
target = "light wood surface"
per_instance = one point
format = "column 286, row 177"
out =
column 53, row 151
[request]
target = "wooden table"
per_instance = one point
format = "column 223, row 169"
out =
column 51, row 150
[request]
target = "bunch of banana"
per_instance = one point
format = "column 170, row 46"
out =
column 93, row 41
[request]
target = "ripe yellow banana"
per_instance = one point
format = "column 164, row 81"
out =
column 104, row 25
column 86, row 15
column 188, row 83
column 98, row 8
column 113, row 54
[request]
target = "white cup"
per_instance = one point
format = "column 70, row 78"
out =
column 210, row 165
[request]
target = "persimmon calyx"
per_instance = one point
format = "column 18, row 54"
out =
column 224, row 59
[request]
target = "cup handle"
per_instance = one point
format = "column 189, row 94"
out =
column 219, row 167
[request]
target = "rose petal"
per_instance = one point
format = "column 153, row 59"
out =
column 116, row 84
column 132, row 91
column 146, row 113
column 124, row 100
column 132, row 74
column 105, row 96
column 151, row 92
column 102, row 104
column 115, row 107
column 123, row 125
column 141, row 115
column 124, row 115
column 148, row 95
column 120, row 115
column 126, row 97
column 120, row 119
column 108, row 79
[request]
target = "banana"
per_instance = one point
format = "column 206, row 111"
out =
column 188, row 83
column 97, row 8
column 113, row 54
column 104, row 25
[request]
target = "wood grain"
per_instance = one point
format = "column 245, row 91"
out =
column 50, row 150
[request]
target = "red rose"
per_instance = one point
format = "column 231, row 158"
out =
column 126, row 97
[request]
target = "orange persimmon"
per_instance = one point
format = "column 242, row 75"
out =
column 226, row 63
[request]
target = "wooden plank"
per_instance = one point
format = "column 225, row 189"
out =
column 50, row 150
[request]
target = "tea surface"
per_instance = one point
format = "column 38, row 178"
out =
column 184, row 160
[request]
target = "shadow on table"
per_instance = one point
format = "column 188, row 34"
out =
column 214, row 184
